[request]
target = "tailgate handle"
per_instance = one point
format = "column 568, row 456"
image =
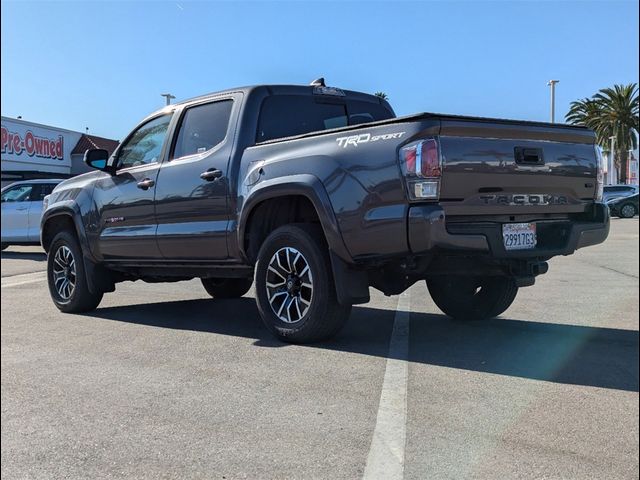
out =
column 528, row 156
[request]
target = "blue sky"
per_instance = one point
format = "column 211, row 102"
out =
column 103, row 65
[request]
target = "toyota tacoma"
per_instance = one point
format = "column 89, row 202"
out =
column 317, row 194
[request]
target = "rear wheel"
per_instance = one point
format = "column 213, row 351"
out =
column 469, row 298
column 628, row 210
column 227, row 287
column 295, row 291
column 67, row 277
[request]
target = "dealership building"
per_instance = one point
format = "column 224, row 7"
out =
column 32, row 150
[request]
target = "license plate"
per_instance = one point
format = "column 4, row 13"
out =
column 519, row 236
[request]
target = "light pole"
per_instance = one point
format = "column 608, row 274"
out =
column 612, row 163
column 168, row 97
column 552, row 84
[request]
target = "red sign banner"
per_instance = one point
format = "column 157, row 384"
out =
column 31, row 144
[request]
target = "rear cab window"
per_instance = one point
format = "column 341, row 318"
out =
column 365, row 112
column 284, row 116
column 202, row 128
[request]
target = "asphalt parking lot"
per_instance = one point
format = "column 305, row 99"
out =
column 163, row 382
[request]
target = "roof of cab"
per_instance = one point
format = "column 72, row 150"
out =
column 271, row 89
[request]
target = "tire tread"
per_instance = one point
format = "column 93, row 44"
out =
column 496, row 301
column 83, row 300
column 330, row 315
column 229, row 288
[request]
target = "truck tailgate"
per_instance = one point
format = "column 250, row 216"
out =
column 504, row 167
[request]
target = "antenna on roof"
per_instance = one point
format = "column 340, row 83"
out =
column 318, row 82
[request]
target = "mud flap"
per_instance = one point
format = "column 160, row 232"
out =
column 98, row 278
column 352, row 286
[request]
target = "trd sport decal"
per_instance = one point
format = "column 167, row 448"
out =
column 356, row 140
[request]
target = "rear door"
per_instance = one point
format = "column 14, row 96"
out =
column 193, row 184
column 126, row 215
column 15, row 213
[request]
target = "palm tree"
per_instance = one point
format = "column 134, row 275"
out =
column 584, row 112
column 382, row 95
column 612, row 112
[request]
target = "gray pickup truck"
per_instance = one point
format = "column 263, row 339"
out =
column 317, row 194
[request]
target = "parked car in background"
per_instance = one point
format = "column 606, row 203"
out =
column 22, row 209
column 612, row 192
column 624, row 207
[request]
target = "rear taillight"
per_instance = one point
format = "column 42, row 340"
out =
column 421, row 164
column 599, row 175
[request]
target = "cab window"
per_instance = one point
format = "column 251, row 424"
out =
column 203, row 127
column 365, row 112
column 19, row 193
column 289, row 115
column 145, row 144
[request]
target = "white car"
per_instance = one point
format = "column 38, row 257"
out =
column 22, row 209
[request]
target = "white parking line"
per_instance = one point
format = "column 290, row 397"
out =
column 23, row 279
column 386, row 455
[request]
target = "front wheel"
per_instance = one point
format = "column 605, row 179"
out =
column 295, row 291
column 628, row 210
column 470, row 298
column 67, row 277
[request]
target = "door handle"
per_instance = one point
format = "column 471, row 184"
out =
column 211, row 174
column 22, row 208
column 146, row 184
column 529, row 156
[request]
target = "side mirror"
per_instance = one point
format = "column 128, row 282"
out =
column 97, row 158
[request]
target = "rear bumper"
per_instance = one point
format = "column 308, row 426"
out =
column 429, row 231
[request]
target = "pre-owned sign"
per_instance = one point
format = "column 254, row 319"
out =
column 28, row 146
column 31, row 144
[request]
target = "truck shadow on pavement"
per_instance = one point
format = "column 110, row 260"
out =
column 34, row 256
column 569, row 354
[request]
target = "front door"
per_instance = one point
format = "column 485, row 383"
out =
column 191, row 196
column 126, row 215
